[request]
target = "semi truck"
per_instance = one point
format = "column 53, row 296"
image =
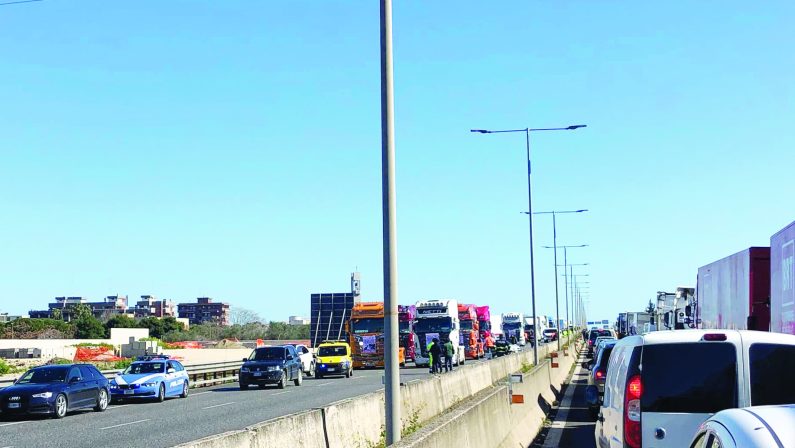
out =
column 437, row 319
column 408, row 339
column 734, row 292
column 484, row 321
column 367, row 336
column 513, row 328
column 470, row 332
column 782, row 276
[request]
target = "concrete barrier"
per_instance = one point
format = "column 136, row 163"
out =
column 304, row 429
column 355, row 422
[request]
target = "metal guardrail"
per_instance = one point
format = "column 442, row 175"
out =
column 200, row 375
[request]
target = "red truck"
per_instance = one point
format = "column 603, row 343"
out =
column 734, row 292
column 470, row 332
column 484, row 321
column 782, row 276
column 407, row 314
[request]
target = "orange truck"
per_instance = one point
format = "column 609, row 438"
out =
column 367, row 336
column 470, row 331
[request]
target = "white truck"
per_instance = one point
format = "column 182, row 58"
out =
column 513, row 328
column 437, row 319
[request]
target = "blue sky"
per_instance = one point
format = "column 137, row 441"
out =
column 232, row 149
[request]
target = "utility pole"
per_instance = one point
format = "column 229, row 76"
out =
column 391, row 363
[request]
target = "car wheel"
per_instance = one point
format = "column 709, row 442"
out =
column 243, row 386
column 60, row 406
column 102, row 401
column 185, row 387
column 300, row 378
column 161, row 393
column 348, row 373
column 312, row 369
column 282, row 381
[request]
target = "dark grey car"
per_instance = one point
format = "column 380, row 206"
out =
column 271, row 365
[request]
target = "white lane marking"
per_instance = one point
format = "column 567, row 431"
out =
column 117, row 406
column 219, row 405
column 559, row 425
column 323, row 384
column 199, row 393
column 279, row 393
column 15, row 423
column 125, row 424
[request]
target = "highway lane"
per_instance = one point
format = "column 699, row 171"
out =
column 206, row 411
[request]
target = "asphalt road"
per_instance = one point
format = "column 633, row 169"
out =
column 205, row 412
column 570, row 423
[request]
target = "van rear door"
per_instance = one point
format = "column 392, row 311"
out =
column 683, row 384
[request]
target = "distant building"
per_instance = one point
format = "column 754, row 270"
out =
column 297, row 320
column 108, row 307
column 204, row 311
column 5, row 318
column 331, row 311
column 151, row 306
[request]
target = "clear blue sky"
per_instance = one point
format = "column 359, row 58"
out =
column 232, row 149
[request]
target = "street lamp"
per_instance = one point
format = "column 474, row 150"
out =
column 575, row 290
column 527, row 132
column 554, row 213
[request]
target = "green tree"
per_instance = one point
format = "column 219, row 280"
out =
column 56, row 314
column 121, row 321
column 89, row 327
column 172, row 324
column 155, row 326
column 650, row 308
column 81, row 311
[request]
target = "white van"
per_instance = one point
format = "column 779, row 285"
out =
column 661, row 386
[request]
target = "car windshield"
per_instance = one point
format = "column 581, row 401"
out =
column 604, row 357
column 511, row 325
column 369, row 325
column 466, row 325
column 484, row 325
column 138, row 368
column 404, row 327
column 268, row 354
column 434, row 325
column 550, row 331
column 771, row 374
column 332, row 350
column 44, row 375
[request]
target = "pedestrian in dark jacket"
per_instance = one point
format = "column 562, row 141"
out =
column 436, row 352
column 448, row 355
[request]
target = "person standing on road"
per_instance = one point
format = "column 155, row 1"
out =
column 430, row 356
column 448, row 355
column 436, row 355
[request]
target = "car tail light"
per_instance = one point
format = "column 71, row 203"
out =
column 599, row 374
column 714, row 337
column 632, row 428
column 590, row 342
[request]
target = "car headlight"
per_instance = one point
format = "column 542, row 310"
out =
column 42, row 395
column 148, row 384
column 274, row 368
column 245, row 369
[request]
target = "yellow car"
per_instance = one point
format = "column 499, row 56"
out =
column 333, row 358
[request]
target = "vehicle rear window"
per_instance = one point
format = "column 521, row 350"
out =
column 604, row 358
column 690, row 378
column 772, row 366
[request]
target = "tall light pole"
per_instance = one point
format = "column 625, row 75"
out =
column 574, row 283
column 527, row 132
column 554, row 213
column 391, row 363
column 566, row 280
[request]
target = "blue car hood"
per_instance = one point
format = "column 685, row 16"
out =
column 138, row 378
column 28, row 389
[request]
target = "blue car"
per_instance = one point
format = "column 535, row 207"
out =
column 55, row 390
column 152, row 378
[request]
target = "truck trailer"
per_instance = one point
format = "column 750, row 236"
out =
column 734, row 292
column 782, row 280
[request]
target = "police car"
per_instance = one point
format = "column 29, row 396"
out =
column 153, row 377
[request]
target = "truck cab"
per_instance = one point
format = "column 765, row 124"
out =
column 513, row 328
column 470, row 332
column 438, row 319
column 408, row 339
column 367, row 336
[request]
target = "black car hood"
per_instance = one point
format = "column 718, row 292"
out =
column 29, row 389
column 255, row 364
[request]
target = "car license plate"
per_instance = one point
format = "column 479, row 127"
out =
column 332, row 369
column 369, row 364
column 257, row 373
column 129, row 392
column 13, row 405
